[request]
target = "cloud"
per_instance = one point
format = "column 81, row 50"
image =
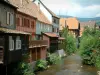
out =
column 89, row 11
column 97, row 15
column 86, row 2
column 77, row 8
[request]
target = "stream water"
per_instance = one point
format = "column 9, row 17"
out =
column 71, row 65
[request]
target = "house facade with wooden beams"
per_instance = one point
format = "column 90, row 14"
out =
column 12, row 46
column 72, row 24
column 42, row 24
column 27, row 20
column 38, row 47
column 52, row 17
column 26, row 16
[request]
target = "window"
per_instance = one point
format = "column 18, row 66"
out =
column 11, row 43
column 41, row 25
column 18, row 21
column 18, row 43
column 53, row 29
column 28, row 23
column 10, row 18
column 22, row 21
column 32, row 24
column 57, row 30
column 54, row 20
column 25, row 22
column 48, row 28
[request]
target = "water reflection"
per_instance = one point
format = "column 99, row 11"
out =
column 71, row 65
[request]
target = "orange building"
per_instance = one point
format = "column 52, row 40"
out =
column 72, row 24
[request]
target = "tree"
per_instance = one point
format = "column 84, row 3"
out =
column 69, row 44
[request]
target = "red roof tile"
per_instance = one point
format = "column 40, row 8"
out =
column 51, row 34
column 72, row 23
column 30, row 8
column 89, row 24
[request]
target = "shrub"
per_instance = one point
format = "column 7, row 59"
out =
column 40, row 65
column 23, row 69
column 53, row 59
column 71, row 44
column 90, row 47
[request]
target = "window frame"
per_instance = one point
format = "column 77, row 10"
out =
column 18, row 41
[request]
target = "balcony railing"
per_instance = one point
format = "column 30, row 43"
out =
column 38, row 43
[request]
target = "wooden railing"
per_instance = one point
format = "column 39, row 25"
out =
column 38, row 43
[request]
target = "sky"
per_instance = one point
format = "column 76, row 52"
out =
column 75, row 8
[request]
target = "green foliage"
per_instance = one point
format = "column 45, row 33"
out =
column 53, row 59
column 23, row 69
column 97, row 64
column 41, row 65
column 69, row 44
column 90, row 46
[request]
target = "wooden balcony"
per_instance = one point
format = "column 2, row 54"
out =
column 38, row 43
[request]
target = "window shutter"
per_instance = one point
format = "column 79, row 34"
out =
column 18, row 43
column 11, row 43
column 8, row 19
column 11, row 19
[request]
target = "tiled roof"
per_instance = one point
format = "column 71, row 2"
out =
column 72, row 23
column 30, row 8
column 89, row 24
column 8, row 3
column 61, row 38
column 4, row 30
column 52, row 13
column 41, row 17
column 26, row 7
column 51, row 34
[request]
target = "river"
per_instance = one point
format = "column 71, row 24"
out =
column 71, row 65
